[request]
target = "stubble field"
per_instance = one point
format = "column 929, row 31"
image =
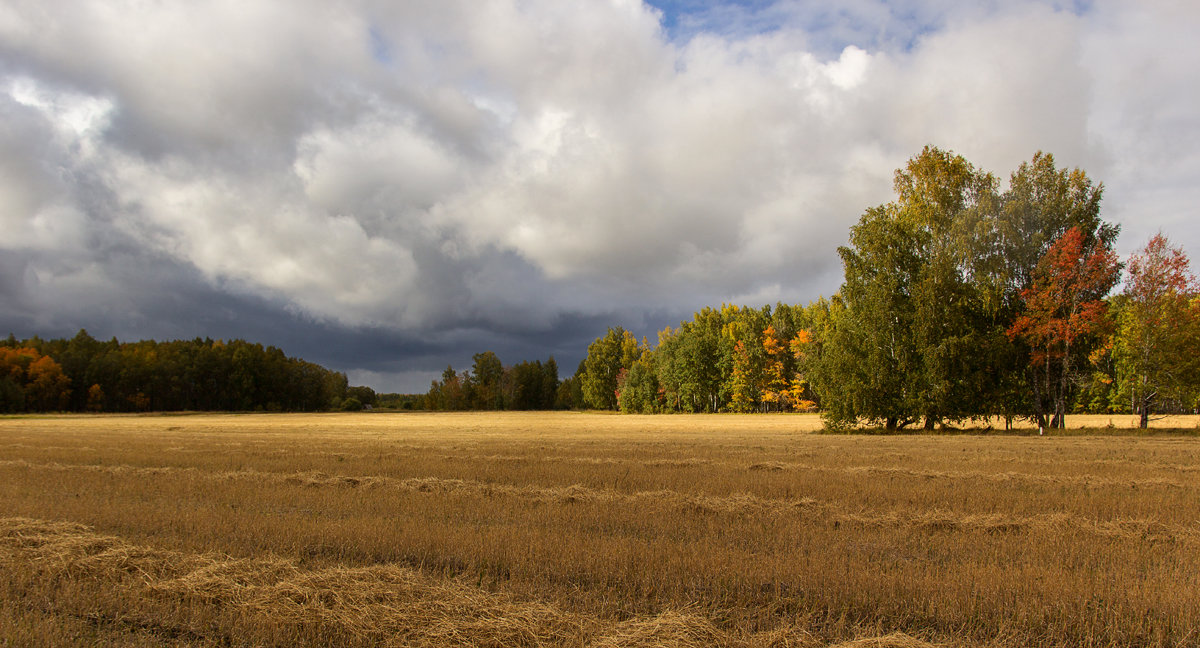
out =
column 590, row 530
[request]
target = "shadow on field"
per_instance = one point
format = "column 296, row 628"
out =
column 1108, row 431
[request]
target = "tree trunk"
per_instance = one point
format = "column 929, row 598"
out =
column 891, row 422
column 1064, row 383
column 1147, row 398
column 1059, row 401
column 1039, row 409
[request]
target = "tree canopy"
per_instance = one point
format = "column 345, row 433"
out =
column 84, row 374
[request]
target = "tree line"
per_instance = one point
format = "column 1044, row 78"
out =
column 83, row 374
column 959, row 301
column 489, row 385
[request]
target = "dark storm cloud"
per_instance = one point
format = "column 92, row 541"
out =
column 163, row 300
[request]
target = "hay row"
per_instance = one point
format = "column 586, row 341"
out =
column 734, row 505
column 586, row 461
column 410, row 451
column 274, row 602
column 779, row 466
column 1086, row 481
column 769, row 466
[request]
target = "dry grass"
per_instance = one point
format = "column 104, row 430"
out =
column 275, row 601
column 589, row 530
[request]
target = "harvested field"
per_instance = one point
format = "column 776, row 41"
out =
column 590, row 530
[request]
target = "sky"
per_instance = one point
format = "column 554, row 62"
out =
column 387, row 188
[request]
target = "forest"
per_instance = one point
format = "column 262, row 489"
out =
column 83, row 374
column 959, row 302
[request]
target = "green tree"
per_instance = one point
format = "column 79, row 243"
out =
column 549, row 384
column 12, row 396
column 606, row 357
column 448, row 394
column 534, row 385
column 364, row 395
column 639, row 389
column 746, row 361
column 692, row 365
column 905, row 345
column 570, row 391
column 484, row 385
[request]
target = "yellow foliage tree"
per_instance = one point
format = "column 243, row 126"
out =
column 741, row 397
column 775, row 385
column 41, row 384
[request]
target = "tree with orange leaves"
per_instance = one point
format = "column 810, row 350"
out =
column 1064, row 316
column 30, row 381
column 800, row 392
column 775, row 384
column 48, row 388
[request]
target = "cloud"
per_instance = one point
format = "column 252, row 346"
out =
column 1144, row 70
column 434, row 179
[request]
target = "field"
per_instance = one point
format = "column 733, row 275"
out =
column 590, row 530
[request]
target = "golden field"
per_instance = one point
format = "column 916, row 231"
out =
column 591, row 530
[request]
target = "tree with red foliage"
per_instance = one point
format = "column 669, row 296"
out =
column 1158, row 328
column 1064, row 316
